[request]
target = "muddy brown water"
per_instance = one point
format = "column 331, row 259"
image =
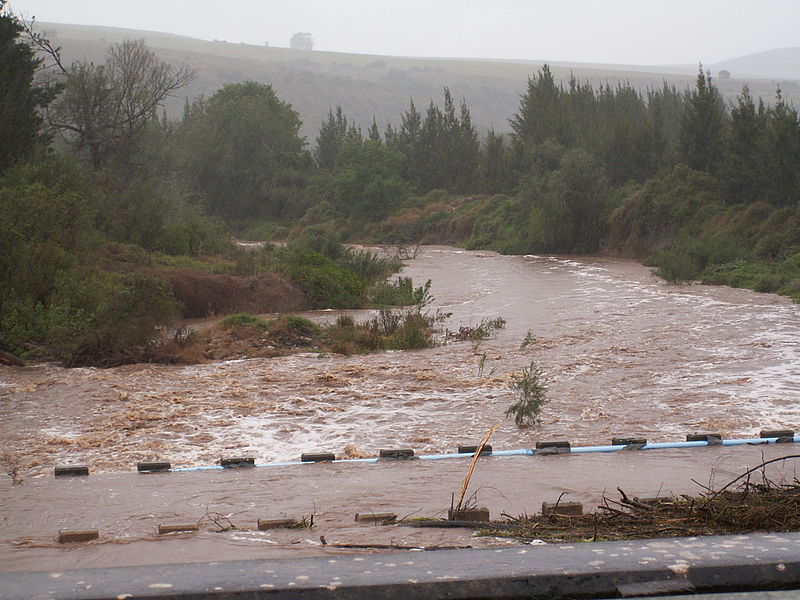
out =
column 624, row 353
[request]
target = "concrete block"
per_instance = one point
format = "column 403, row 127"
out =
column 552, row 444
column 776, row 433
column 380, row 518
column 402, row 454
column 628, row 441
column 152, row 467
column 77, row 535
column 487, row 449
column 237, row 462
column 177, row 527
column 318, row 457
column 564, row 509
column 265, row 524
column 71, row 471
column 713, row 439
column 480, row 514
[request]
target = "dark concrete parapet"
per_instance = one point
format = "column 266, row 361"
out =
column 71, row 471
column 555, row 572
column 713, row 439
column 153, row 467
column 237, row 462
column 487, row 449
column 317, row 457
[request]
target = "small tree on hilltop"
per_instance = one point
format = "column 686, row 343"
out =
column 301, row 41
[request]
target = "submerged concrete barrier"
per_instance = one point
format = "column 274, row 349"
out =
column 75, row 536
column 237, row 462
column 713, row 439
column 177, row 527
column 628, row 441
column 563, row 509
column 71, row 471
column 153, row 467
column 487, row 449
column 469, row 515
column 318, row 457
column 403, row 454
column 384, row 518
column 266, row 524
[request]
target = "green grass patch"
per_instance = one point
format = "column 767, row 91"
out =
column 240, row 320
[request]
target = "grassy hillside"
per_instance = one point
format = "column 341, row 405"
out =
column 782, row 64
column 369, row 85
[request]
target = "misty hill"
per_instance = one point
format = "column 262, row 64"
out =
column 782, row 64
column 380, row 86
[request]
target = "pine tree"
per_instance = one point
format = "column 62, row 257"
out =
column 373, row 133
column 664, row 107
column 541, row 115
column 703, row 124
column 329, row 139
column 744, row 162
column 20, row 97
column 781, row 149
column 494, row 173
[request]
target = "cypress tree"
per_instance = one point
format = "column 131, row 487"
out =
column 20, row 98
column 373, row 133
column 330, row 139
column 743, row 165
column 495, row 164
column 781, row 150
column 703, row 123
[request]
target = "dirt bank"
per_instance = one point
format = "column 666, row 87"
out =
column 205, row 294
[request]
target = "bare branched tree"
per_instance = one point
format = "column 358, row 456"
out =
column 104, row 107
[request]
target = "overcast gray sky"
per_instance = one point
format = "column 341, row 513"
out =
column 605, row 31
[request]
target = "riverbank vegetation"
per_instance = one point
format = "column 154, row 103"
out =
column 699, row 190
column 243, row 335
column 117, row 221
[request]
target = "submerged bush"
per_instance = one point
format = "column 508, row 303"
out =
column 531, row 390
column 400, row 292
column 127, row 325
column 408, row 329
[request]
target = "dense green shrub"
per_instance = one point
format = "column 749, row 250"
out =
column 499, row 226
column 326, row 284
column 652, row 216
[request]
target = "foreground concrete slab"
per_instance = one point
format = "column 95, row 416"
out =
column 601, row 570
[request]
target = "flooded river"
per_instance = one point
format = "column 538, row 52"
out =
column 623, row 352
